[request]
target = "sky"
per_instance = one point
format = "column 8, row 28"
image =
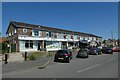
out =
column 99, row 18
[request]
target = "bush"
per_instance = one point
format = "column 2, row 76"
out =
column 4, row 48
column 31, row 57
column 36, row 55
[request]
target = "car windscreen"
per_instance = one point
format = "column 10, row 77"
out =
column 62, row 52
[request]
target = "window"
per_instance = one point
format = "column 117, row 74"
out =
column 31, row 44
column 15, row 31
column 47, row 34
column 9, row 34
column 36, row 33
column 75, row 37
column 12, row 32
column 24, row 30
column 28, row 44
column 50, row 34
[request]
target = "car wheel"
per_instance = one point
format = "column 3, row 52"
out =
column 111, row 53
column 55, row 60
column 68, row 60
column 77, row 56
column 97, row 53
column 87, row 56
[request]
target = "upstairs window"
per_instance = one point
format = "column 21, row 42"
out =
column 15, row 31
column 47, row 34
column 51, row 34
column 12, row 32
column 36, row 33
column 9, row 34
column 25, row 30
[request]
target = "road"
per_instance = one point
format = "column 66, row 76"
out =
column 96, row 66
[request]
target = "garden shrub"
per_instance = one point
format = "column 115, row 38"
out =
column 31, row 57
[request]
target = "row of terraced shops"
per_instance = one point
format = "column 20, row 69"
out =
column 30, row 37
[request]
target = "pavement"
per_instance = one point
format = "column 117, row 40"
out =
column 96, row 66
column 14, row 66
column 13, row 57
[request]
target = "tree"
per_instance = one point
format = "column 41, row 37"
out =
column 4, row 48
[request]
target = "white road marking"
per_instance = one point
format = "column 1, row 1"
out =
column 89, row 68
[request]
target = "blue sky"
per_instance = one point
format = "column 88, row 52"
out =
column 90, row 17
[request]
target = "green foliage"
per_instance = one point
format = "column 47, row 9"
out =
column 104, row 42
column 31, row 57
column 4, row 48
column 36, row 55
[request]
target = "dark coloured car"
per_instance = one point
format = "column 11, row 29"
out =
column 82, row 53
column 107, row 50
column 95, row 51
column 63, row 55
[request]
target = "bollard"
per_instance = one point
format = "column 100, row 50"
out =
column 6, row 57
column 25, row 56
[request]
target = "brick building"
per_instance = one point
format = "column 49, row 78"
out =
column 31, row 37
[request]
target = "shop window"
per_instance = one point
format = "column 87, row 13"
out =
column 26, row 45
column 31, row 44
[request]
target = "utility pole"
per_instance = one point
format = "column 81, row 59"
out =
column 112, row 35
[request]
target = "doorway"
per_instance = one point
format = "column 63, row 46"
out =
column 38, row 46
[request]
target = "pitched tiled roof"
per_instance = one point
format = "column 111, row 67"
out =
column 26, row 25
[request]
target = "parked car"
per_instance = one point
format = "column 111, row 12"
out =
column 95, row 51
column 82, row 53
column 63, row 55
column 107, row 50
column 116, row 49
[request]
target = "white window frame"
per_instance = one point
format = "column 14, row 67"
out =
column 47, row 34
column 25, row 30
column 15, row 31
column 12, row 32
